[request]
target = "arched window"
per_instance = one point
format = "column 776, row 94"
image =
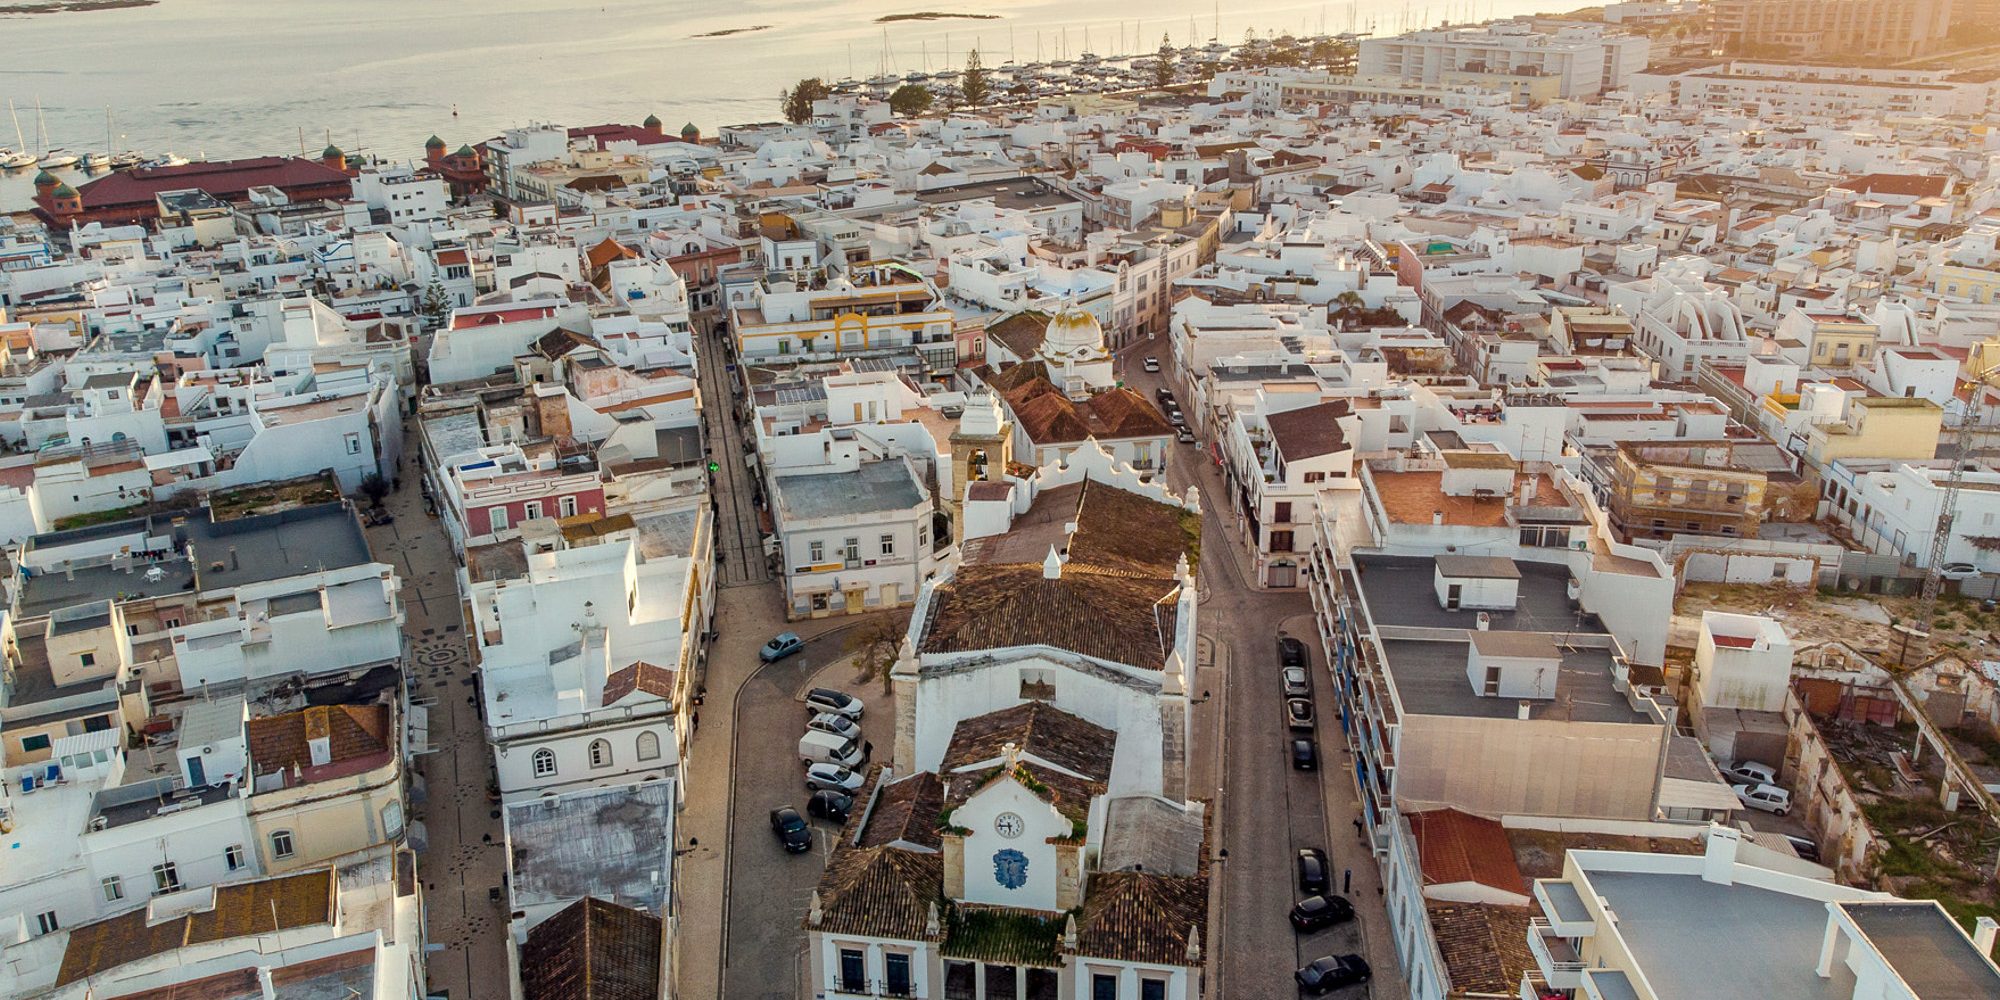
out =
column 545, row 762
column 649, row 746
column 600, row 753
column 281, row 844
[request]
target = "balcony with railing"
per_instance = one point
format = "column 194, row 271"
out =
column 1560, row 965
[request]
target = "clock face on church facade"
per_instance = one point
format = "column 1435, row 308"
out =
column 1008, row 825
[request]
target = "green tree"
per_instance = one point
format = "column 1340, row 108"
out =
column 799, row 100
column 436, row 305
column 974, row 84
column 1163, row 70
column 910, row 99
column 374, row 487
column 876, row 645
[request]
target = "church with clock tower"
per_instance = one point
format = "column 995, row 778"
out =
column 1032, row 837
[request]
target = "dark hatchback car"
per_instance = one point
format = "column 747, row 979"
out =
column 1292, row 653
column 1305, row 756
column 790, row 829
column 1327, row 974
column 1320, row 911
column 1314, row 877
column 830, row 805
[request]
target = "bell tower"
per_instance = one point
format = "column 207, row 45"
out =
column 981, row 449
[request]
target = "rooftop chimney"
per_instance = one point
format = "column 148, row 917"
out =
column 1982, row 935
column 1719, row 860
column 1437, row 517
column 1523, row 710
column 1052, row 566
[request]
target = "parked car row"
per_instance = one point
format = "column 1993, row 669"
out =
column 1757, row 787
column 832, row 749
column 1319, row 909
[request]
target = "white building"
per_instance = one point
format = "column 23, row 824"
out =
column 1587, row 59
column 855, row 533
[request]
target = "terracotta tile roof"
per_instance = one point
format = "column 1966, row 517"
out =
column 1115, row 599
column 1309, row 431
column 1485, row 948
column 592, row 950
column 1021, row 333
column 333, row 971
column 1112, row 617
column 1456, row 847
column 353, row 732
column 1003, row 935
column 905, row 811
column 640, row 676
column 881, row 892
column 1900, row 185
column 608, row 251
column 1048, row 416
column 1041, row 731
column 225, row 179
column 240, row 910
column 1137, row 917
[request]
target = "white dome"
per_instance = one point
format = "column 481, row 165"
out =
column 1073, row 329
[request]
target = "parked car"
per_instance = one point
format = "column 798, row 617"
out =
column 1176, row 418
column 835, row 723
column 1315, row 879
column 1291, row 652
column 821, row 776
column 1152, row 364
column 1164, row 395
column 1320, row 911
column 1305, row 756
column 1298, row 683
column 1183, row 435
column 1958, row 571
column 1332, row 972
column 782, row 645
column 1299, row 714
column 817, row 746
column 791, row 830
column 1769, row 798
column 1803, row 847
column 1749, row 772
column 831, row 805
column 827, row 700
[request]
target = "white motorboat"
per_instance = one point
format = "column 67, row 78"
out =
column 10, row 160
column 58, row 158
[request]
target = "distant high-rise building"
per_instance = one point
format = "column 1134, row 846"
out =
column 1896, row 28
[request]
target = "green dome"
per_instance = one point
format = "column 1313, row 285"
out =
column 652, row 121
column 434, row 143
column 330, row 152
column 44, row 179
column 689, row 129
column 464, row 151
column 64, row 191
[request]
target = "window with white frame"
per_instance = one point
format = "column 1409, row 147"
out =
column 232, row 857
column 531, row 511
column 166, row 878
column 281, row 844
column 566, row 506
column 545, row 763
column 600, row 753
column 114, row 888
column 45, row 923
column 888, row 546
column 816, row 553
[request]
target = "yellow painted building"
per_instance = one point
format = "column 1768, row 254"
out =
column 1878, row 427
column 1966, row 281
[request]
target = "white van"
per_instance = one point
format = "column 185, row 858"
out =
column 817, row 747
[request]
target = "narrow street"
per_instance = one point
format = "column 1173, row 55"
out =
column 463, row 863
column 1242, row 758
